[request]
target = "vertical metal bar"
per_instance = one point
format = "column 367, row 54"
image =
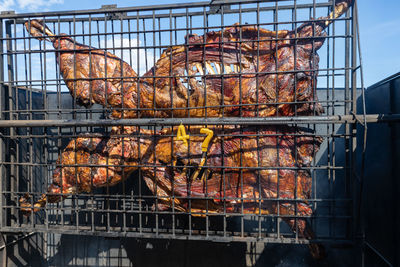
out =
column 138, row 114
column 131, row 200
column 115, row 215
column 314, row 79
column 170, row 72
column 347, row 164
column 2, row 143
column 205, row 31
column 46, row 138
column 278, row 218
column 223, row 115
column 294, row 19
column 91, row 197
column 241, row 129
column 12, row 131
column 59, row 114
column 18, row 167
column 354, row 111
column 123, row 130
column 257, row 114
column 188, row 114
column 332, row 154
column 106, row 79
column 75, row 195
column 31, row 182
column 154, row 129
column 16, row 78
column 145, row 45
column 328, row 126
column 28, row 105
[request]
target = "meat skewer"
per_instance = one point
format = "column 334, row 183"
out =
column 241, row 70
column 266, row 154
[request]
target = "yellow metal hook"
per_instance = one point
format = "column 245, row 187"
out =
column 206, row 142
column 203, row 172
column 181, row 135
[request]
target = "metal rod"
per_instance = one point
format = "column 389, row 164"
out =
column 139, row 8
column 378, row 253
column 181, row 236
column 340, row 119
column 2, row 131
column 17, row 240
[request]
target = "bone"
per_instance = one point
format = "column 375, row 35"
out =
column 227, row 68
column 199, row 68
column 218, row 67
column 246, row 47
column 39, row 30
column 340, row 9
column 210, row 69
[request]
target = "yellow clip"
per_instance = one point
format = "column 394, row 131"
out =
column 210, row 134
column 181, row 135
column 204, row 148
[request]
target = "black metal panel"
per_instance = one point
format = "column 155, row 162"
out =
column 381, row 187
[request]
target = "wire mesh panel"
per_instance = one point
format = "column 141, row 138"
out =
column 213, row 121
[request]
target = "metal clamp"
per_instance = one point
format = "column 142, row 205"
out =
column 181, row 135
column 206, row 142
column 200, row 171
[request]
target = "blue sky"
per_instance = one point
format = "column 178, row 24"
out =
column 379, row 27
column 380, row 38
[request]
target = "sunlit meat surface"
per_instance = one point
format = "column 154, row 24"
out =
column 274, row 162
column 239, row 71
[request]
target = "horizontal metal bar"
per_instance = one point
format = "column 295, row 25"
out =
column 122, row 14
column 338, row 119
column 150, row 8
column 133, row 199
column 78, row 134
column 299, row 168
column 222, row 75
column 101, row 110
column 16, row 51
column 130, row 212
column 184, row 235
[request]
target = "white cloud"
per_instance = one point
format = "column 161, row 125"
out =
column 37, row 4
column 7, row 5
column 29, row 5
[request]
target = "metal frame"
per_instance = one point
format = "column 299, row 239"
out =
column 52, row 127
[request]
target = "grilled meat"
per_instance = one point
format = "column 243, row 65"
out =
column 168, row 167
column 250, row 71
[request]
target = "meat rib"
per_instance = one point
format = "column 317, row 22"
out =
column 275, row 74
column 90, row 162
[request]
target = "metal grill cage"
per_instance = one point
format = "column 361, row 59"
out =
column 39, row 118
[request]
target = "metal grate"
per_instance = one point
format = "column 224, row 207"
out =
column 39, row 117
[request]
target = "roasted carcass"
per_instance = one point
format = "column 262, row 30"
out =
column 246, row 170
column 250, row 71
